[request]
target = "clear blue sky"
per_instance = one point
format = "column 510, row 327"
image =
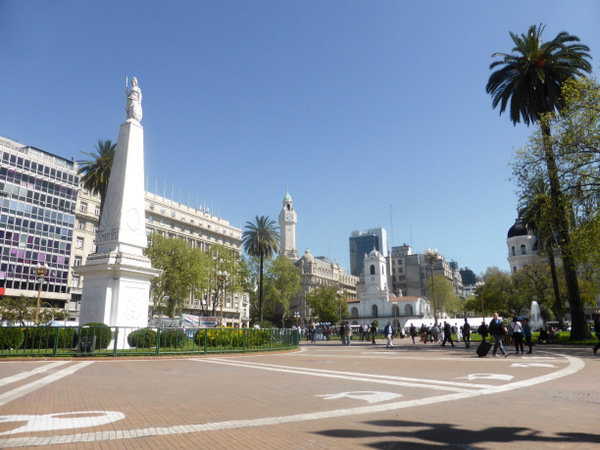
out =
column 372, row 113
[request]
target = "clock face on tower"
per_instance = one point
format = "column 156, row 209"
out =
column 289, row 216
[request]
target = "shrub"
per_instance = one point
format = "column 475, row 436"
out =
column 41, row 337
column 172, row 338
column 67, row 337
column 102, row 332
column 11, row 338
column 142, row 338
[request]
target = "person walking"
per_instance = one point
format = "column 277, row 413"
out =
column 467, row 333
column 373, row 332
column 413, row 332
column 458, row 332
column 498, row 331
column 388, row 331
column 342, row 335
column 447, row 334
column 517, row 329
column 483, row 331
column 527, row 334
column 347, row 332
column 597, row 331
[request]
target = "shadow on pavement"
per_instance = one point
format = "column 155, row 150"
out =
column 402, row 434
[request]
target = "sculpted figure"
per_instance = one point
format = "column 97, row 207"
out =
column 134, row 102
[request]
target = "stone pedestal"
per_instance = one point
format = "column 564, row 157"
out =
column 116, row 285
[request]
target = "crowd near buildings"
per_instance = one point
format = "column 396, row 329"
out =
column 48, row 220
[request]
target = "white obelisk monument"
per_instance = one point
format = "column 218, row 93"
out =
column 116, row 285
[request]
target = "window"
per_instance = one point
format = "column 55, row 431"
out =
column 83, row 206
column 75, row 283
column 372, row 269
column 79, row 243
column 81, row 225
column 77, row 261
column 523, row 249
column 97, row 210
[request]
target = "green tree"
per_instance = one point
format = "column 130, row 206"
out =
column 326, row 304
column 95, row 172
column 283, row 283
column 174, row 284
column 445, row 297
column 531, row 78
column 261, row 240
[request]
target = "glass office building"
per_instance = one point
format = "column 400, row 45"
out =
column 362, row 243
column 38, row 193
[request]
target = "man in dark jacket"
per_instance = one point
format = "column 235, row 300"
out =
column 467, row 333
column 497, row 330
column 447, row 334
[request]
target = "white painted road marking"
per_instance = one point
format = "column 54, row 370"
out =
column 9, row 396
column 62, row 421
column 531, row 365
column 368, row 396
column 574, row 365
column 488, row 376
column 453, row 386
column 21, row 376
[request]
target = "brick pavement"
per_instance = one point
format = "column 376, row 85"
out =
column 325, row 395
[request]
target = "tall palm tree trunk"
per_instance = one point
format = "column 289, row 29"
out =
column 561, row 223
column 260, row 290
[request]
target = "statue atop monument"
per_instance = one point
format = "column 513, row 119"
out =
column 134, row 102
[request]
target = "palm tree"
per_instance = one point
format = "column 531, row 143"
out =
column 261, row 240
column 531, row 78
column 96, row 171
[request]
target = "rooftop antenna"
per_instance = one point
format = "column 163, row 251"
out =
column 391, row 225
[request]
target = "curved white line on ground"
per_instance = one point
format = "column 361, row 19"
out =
column 575, row 365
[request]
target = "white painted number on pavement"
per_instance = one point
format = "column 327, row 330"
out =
column 61, row 421
column 368, row 396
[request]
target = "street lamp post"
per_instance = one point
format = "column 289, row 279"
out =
column 297, row 317
column 478, row 286
column 41, row 271
column 222, row 278
column 340, row 294
column 431, row 255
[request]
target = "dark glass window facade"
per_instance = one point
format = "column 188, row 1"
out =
column 38, row 194
column 359, row 246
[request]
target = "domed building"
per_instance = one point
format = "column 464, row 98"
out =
column 522, row 246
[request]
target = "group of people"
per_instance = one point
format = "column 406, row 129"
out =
column 518, row 330
column 443, row 334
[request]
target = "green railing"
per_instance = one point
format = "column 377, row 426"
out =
column 50, row 341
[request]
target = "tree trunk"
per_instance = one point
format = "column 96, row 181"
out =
column 558, row 309
column 579, row 329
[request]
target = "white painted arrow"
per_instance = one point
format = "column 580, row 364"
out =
column 368, row 396
column 61, row 421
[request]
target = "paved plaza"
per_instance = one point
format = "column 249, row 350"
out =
column 323, row 396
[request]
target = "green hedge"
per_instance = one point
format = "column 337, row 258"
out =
column 11, row 338
column 172, row 338
column 142, row 338
column 102, row 332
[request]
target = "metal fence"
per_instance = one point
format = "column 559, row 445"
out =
column 51, row 341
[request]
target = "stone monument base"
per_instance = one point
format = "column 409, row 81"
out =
column 116, row 289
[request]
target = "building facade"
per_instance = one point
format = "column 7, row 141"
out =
column 375, row 302
column 522, row 246
column 361, row 244
column 38, row 202
column 409, row 272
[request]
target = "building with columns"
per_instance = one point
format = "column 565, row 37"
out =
column 375, row 302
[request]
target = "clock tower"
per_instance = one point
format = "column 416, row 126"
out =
column 287, row 228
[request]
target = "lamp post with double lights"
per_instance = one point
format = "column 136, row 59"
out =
column 41, row 271
column 431, row 255
column 222, row 278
